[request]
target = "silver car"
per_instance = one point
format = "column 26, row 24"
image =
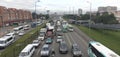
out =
column 76, row 51
column 63, row 47
column 45, row 51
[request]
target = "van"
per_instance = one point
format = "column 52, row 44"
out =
column 27, row 51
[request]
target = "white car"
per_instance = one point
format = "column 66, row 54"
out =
column 59, row 38
column 36, row 43
column 21, row 33
column 41, row 37
column 45, row 51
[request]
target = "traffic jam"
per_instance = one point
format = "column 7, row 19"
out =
column 52, row 32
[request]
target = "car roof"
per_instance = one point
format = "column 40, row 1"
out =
column 35, row 40
column 5, row 38
column 45, row 45
column 75, row 44
column 27, row 48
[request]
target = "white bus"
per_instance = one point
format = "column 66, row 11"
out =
column 27, row 51
column 18, row 29
column 96, row 49
column 5, row 41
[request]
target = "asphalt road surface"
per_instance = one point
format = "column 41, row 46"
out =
column 76, row 36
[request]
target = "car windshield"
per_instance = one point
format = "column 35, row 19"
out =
column 2, row 42
column 76, row 48
column 45, row 48
column 41, row 35
column 63, row 45
column 71, row 27
column 24, row 54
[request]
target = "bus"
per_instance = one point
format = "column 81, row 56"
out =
column 96, row 49
column 5, row 41
column 18, row 29
column 27, row 51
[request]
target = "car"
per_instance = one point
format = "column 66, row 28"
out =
column 21, row 33
column 49, row 41
column 70, row 28
column 59, row 29
column 36, row 43
column 45, row 51
column 26, row 27
column 76, row 50
column 63, row 49
column 41, row 37
column 59, row 38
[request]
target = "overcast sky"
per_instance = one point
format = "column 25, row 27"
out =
column 59, row 5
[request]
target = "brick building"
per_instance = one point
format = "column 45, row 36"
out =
column 10, row 15
column 4, row 16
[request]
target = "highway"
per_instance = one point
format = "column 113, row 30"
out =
column 77, row 36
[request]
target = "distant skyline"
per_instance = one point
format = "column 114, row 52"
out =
column 59, row 5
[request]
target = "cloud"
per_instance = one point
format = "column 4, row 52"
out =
column 58, row 4
column 8, row 0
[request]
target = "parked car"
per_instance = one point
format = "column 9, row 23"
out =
column 76, row 51
column 41, row 37
column 45, row 51
column 36, row 43
column 49, row 41
column 63, row 47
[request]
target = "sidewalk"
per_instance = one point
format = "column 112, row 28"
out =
column 5, row 30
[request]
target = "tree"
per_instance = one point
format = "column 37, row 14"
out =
column 105, row 18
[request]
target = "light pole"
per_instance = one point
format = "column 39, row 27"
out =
column 35, row 9
column 90, row 13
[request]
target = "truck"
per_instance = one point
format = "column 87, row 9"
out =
column 50, row 32
column 65, row 28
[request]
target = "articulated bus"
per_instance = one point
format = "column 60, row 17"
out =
column 5, row 41
column 96, row 49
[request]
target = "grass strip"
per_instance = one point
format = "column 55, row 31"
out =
column 109, row 38
column 14, row 49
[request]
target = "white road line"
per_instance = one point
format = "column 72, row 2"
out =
column 68, row 39
column 78, row 37
column 71, row 36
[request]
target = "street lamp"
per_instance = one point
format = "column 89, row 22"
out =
column 90, row 13
column 35, row 9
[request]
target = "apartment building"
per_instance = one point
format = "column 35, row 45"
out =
column 10, row 15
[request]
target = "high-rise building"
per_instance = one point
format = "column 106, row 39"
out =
column 108, row 9
column 79, row 12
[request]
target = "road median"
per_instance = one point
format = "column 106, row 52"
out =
column 14, row 49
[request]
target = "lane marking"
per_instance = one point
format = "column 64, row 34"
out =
column 68, row 39
column 80, row 38
column 71, row 37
